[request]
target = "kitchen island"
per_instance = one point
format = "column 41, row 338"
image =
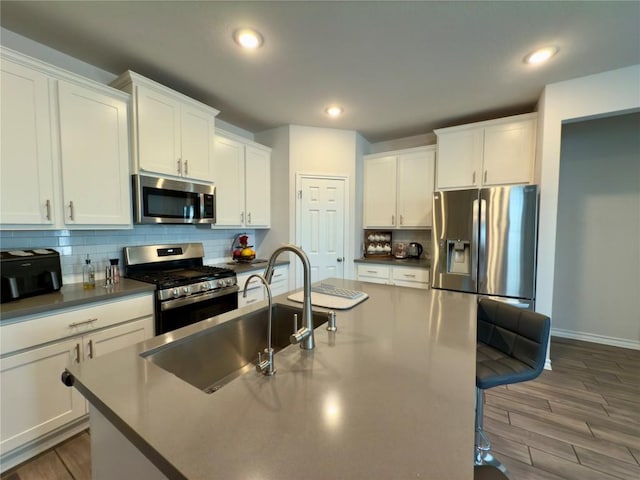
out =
column 389, row 395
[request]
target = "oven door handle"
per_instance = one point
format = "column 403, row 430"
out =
column 180, row 302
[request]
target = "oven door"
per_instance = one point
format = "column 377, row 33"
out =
column 180, row 312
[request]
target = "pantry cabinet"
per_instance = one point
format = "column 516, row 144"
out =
column 34, row 403
column 497, row 152
column 172, row 134
column 243, row 185
column 65, row 149
column 398, row 188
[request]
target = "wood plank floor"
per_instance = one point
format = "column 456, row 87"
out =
column 580, row 421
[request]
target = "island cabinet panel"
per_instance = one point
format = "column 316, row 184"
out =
column 243, row 183
column 497, row 152
column 37, row 409
column 65, row 149
column 394, row 275
column 26, row 158
column 172, row 134
column 398, row 188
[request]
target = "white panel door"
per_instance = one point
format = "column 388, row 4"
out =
column 26, row 179
column 33, row 399
column 258, row 187
column 197, row 147
column 159, row 132
column 322, row 209
column 229, row 182
column 94, row 151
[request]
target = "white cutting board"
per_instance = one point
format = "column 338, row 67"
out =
column 329, row 301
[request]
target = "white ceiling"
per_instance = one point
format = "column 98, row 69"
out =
column 399, row 68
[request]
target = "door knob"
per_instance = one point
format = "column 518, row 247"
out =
column 340, row 259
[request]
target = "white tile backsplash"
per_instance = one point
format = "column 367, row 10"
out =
column 101, row 245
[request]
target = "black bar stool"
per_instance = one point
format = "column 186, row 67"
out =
column 511, row 348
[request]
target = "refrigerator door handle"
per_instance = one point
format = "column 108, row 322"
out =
column 482, row 247
column 474, row 243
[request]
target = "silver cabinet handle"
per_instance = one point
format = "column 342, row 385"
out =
column 485, row 177
column 77, row 349
column 90, row 348
column 252, row 300
column 401, row 219
column 71, row 210
column 47, row 206
column 393, row 219
column 473, row 180
column 86, row 322
column 277, row 275
column 179, row 166
column 249, row 218
column 186, row 167
column 372, row 271
column 241, row 217
column 409, row 275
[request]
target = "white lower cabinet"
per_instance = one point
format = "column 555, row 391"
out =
column 35, row 406
column 256, row 291
column 393, row 275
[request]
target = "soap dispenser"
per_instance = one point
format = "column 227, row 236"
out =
column 88, row 274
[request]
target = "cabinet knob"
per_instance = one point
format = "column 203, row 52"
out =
column 47, row 206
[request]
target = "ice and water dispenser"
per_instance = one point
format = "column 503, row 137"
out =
column 459, row 257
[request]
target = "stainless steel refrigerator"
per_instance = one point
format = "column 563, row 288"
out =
column 485, row 242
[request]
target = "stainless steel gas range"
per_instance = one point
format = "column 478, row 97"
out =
column 187, row 290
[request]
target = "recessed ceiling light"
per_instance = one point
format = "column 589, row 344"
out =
column 541, row 55
column 248, row 38
column 334, row 111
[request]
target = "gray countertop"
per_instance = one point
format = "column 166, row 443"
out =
column 70, row 296
column 390, row 395
column 257, row 264
column 396, row 262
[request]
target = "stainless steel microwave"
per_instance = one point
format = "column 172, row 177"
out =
column 161, row 200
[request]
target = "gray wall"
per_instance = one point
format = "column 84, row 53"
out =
column 597, row 269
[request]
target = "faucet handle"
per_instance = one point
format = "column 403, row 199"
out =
column 295, row 322
column 331, row 323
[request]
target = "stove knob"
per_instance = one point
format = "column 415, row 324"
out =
column 205, row 286
column 186, row 290
column 221, row 283
column 230, row 281
column 176, row 293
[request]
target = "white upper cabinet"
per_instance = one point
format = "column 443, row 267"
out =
column 94, row 154
column 172, row 134
column 26, row 157
column 497, row 152
column 65, row 149
column 398, row 188
column 243, row 183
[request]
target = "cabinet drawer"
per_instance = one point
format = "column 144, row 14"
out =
column 253, row 295
column 375, row 271
column 408, row 274
column 69, row 322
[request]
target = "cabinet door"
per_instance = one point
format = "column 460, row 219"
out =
column 26, row 183
column 459, row 159
column 229, row 167
column 34, row 400
column 380, row 192
column 509, row 152
column 415, row 189
column 158, row 126
column 115, row 338
column 197, row 143
column 94, row 151
column 257, row 187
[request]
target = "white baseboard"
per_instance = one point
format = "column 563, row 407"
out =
column 547, row 364
column 591, row 337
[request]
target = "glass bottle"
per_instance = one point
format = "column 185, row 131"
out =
column 88, row 274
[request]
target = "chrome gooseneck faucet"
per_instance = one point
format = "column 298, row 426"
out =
column 264, row 366
column 304, row 336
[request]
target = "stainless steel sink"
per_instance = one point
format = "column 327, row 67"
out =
column 211, row 358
